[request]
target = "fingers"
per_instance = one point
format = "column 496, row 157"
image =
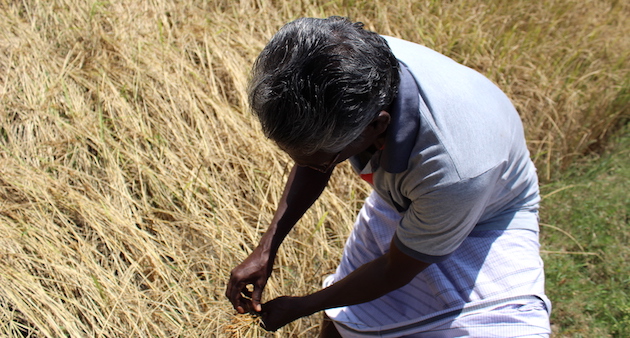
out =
column 243, row 300
column 279, row 312
column 266, row 322
column 244, row 289
column 256, row 297
column 233, row 293
column 251, row 299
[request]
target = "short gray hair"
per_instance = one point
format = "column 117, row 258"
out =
column 319, row 82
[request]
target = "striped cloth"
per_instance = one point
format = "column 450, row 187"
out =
column 491, row 286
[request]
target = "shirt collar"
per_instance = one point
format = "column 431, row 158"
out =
column 404, row 125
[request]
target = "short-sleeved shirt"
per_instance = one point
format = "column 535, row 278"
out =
column 455, row 157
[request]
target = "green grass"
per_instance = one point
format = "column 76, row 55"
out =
column 585, row 238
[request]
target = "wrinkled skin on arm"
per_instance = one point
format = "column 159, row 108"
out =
column 303, row 187
column 370, row 281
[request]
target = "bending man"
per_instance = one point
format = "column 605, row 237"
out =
column 447, row 243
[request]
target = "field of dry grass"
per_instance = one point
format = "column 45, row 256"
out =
column 132, row 177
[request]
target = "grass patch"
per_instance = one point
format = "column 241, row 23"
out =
column 586, row 245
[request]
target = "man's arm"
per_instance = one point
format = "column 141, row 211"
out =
column 303, row 187
column 370, row 281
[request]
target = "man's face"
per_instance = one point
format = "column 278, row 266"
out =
column 316, row 161
column 373, row 134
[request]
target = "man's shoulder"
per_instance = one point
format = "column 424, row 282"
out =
column 411, row 52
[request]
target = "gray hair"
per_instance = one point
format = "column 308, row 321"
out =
column 319, row 82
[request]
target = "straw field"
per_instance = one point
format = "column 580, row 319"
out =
column 133, row 178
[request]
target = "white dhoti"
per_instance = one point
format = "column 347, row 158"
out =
column 491, row 286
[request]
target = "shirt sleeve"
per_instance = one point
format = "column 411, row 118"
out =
column 439, row 220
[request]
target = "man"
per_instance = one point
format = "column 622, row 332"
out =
column 447, row 244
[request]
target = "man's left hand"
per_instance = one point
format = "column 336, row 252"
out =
column 281, row 311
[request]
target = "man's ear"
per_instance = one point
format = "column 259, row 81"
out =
column 381, row 122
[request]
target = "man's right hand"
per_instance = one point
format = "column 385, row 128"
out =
column 303, row 187
column 254, row 270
